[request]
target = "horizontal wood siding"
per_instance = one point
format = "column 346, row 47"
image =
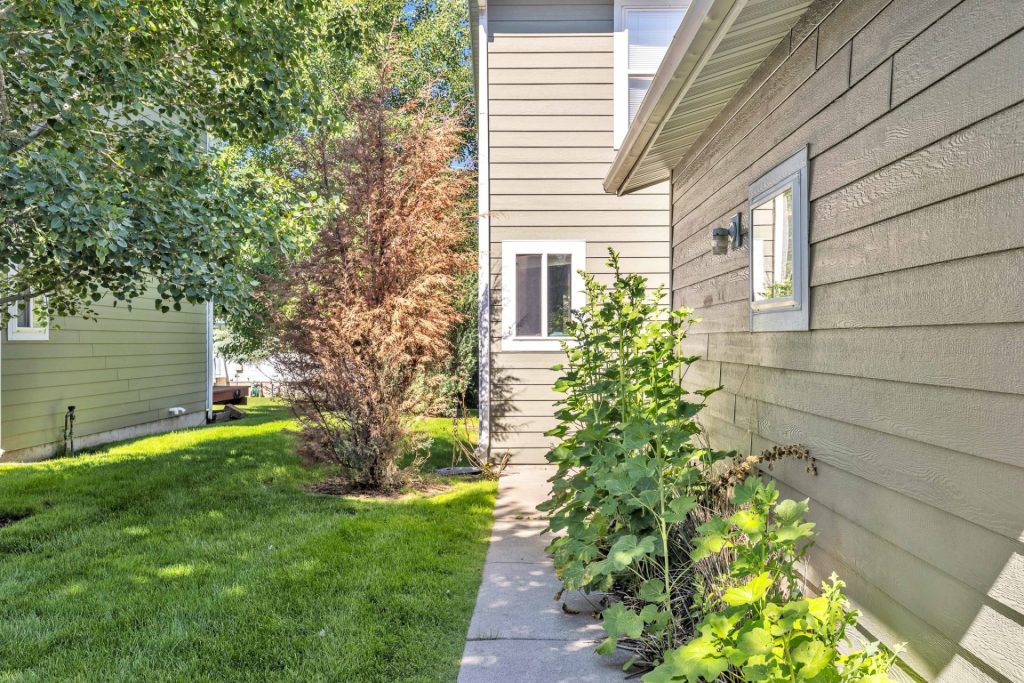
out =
column 909, row 388
column 550, row 119
column 122, row 370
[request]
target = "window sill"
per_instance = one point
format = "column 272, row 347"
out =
column 788, row 320
column 532, row 344
column 28, row 334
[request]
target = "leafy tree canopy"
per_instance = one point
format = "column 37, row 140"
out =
column 426, row 45
column 107, row 112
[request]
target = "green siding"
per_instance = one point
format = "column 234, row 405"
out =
column 125, row 369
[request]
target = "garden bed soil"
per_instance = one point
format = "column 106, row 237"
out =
column 339, row 486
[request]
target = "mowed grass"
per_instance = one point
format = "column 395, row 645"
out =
column 198, row 556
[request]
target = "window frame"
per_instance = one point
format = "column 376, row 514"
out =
column 620, row 103
column 577, row 251
column 790, row 313
column 31, row 333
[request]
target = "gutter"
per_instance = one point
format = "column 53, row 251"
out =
column 703, row 27
column 483, row 237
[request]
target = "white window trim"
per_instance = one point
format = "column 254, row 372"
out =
column 790, row 313
column 16, row 333
column 509, row 250
column 620, row 118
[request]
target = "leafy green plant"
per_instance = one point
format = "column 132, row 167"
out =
column 760, row 626
column 777, row 290
column 708, row 587
column 629, row 468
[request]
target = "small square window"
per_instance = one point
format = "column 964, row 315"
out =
column 779, row 291
column 29, row 320
column 540, row 289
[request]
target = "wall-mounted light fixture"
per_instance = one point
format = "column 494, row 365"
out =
column 720, row 237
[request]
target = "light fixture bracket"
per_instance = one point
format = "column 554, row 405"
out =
column 720, row 237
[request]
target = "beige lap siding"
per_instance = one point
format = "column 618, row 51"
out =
column 550, row 83
column 909, row 388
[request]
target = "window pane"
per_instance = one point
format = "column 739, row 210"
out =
column 772, row 246
column 528, row 274
column 39, row 316
column 650, row 32
column 559, row 294
column 637, row 89
column 24, row 313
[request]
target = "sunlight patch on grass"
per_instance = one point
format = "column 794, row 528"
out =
column 234, row 591
column 168, row 558
column 175, row 571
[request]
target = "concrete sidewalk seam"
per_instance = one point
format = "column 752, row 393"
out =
column 519, row 632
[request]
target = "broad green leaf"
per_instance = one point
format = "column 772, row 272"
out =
column 650, row 498
column 789, row 511
column 607, row 647
column 679, row 508
column 748, row 521
column 794, row 532
column 756, row 641
column 619, row 621
column 830, row 675
column 818, row 608
column 719, row 624
column 635, row 435
column 622, row 553
column 654, row 618
column 652, row 590
column 698, row 659
column 756, row 672
column 752, row 591
column 745, row 492
column 812, row 657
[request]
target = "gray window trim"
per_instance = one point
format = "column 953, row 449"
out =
column 791, row 313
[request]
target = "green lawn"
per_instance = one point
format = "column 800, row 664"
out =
column 198, row 556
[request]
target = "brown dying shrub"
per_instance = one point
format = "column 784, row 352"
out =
column 363, row 317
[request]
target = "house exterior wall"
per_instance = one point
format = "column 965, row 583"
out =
column 122, row 373
column 550, row 103
column 909, row 387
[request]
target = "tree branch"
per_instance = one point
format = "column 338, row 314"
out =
column 6, row 301
column 34, row 133
column 42, row 127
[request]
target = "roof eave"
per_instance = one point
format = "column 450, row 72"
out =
column 702, row 29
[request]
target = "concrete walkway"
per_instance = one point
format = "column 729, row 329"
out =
column 518, row 631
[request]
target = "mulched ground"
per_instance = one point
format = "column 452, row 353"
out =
column 339, row 486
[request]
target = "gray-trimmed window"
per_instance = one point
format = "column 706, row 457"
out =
column 779, row 288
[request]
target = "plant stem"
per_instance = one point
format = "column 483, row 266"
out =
column 663, row 527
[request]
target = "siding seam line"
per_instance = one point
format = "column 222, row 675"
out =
column 918, row 266
column 926, row 145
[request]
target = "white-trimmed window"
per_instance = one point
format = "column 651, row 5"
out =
column 779, row 288
column 29, row 321
column 643, row 31
column 540, row 288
